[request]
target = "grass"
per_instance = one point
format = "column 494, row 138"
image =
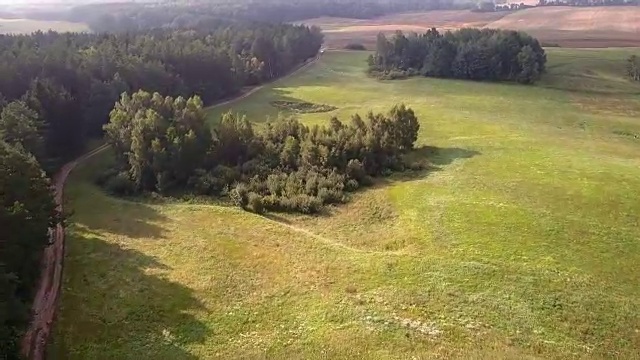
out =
column 521, row 243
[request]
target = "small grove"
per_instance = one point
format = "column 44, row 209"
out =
column 471, row 54
column 162, row 144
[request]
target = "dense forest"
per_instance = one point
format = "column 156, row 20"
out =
column 72, row 80
column 162, row 144
column 474, row 54
column 134, row 16
column 57, row 90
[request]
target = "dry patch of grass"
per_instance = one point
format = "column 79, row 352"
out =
column 571, row 18
column 565, row 26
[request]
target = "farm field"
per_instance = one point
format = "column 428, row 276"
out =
column 576, row 27
column 27, row 26
column 521, row 241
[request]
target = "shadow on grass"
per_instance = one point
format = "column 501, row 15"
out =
column 440, row 156
column 428, row 159
column 136, row 220
column 116, row 304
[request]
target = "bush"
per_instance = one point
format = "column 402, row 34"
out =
column 330, row 196
column 351, row 185
column 105, row 176
column 239, row 196
column 204, row 183
column 355, row 170
column 303, row 203
column 394, row 74
column 120, row 184
column 302, row 107
column 256, row 203
column 355, row 46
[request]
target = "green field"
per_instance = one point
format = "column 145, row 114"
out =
column 523, row 241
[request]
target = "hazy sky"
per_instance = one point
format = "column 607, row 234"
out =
column 35, row 3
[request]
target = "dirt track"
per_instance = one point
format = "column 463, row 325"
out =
column 35, row 340
column 34, row 343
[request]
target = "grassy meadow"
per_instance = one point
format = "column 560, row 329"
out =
column 521, row 242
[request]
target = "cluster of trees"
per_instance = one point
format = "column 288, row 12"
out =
column 27, row 211
column 71, row 81
column 140, row 15
column 162, row 144
column 490, row 6
column 474, row 54
column 587, row 2
column 633, row 67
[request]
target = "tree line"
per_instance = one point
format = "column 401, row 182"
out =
column 162, row 144
column 71, row 81
column 491, row 6
column 27, row 211
column 473, row 54
column 588, row 2
column 56, row 90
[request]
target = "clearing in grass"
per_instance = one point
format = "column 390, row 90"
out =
column 521, row 241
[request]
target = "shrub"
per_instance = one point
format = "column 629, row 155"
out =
column 203, row 182
column 330, row 196
column 120, row 184
column 351, row 185
column 302, row 107
column 271, row 202
column 256, row 203
column 102, row 178
column 304, row 203
column 355, row 46
column 239, row 196
column 276, row 183
column 355, row 170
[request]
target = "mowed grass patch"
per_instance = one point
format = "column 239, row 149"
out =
column 519, row 241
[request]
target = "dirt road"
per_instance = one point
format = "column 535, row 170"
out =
column 35, row 340
column 34, row 343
